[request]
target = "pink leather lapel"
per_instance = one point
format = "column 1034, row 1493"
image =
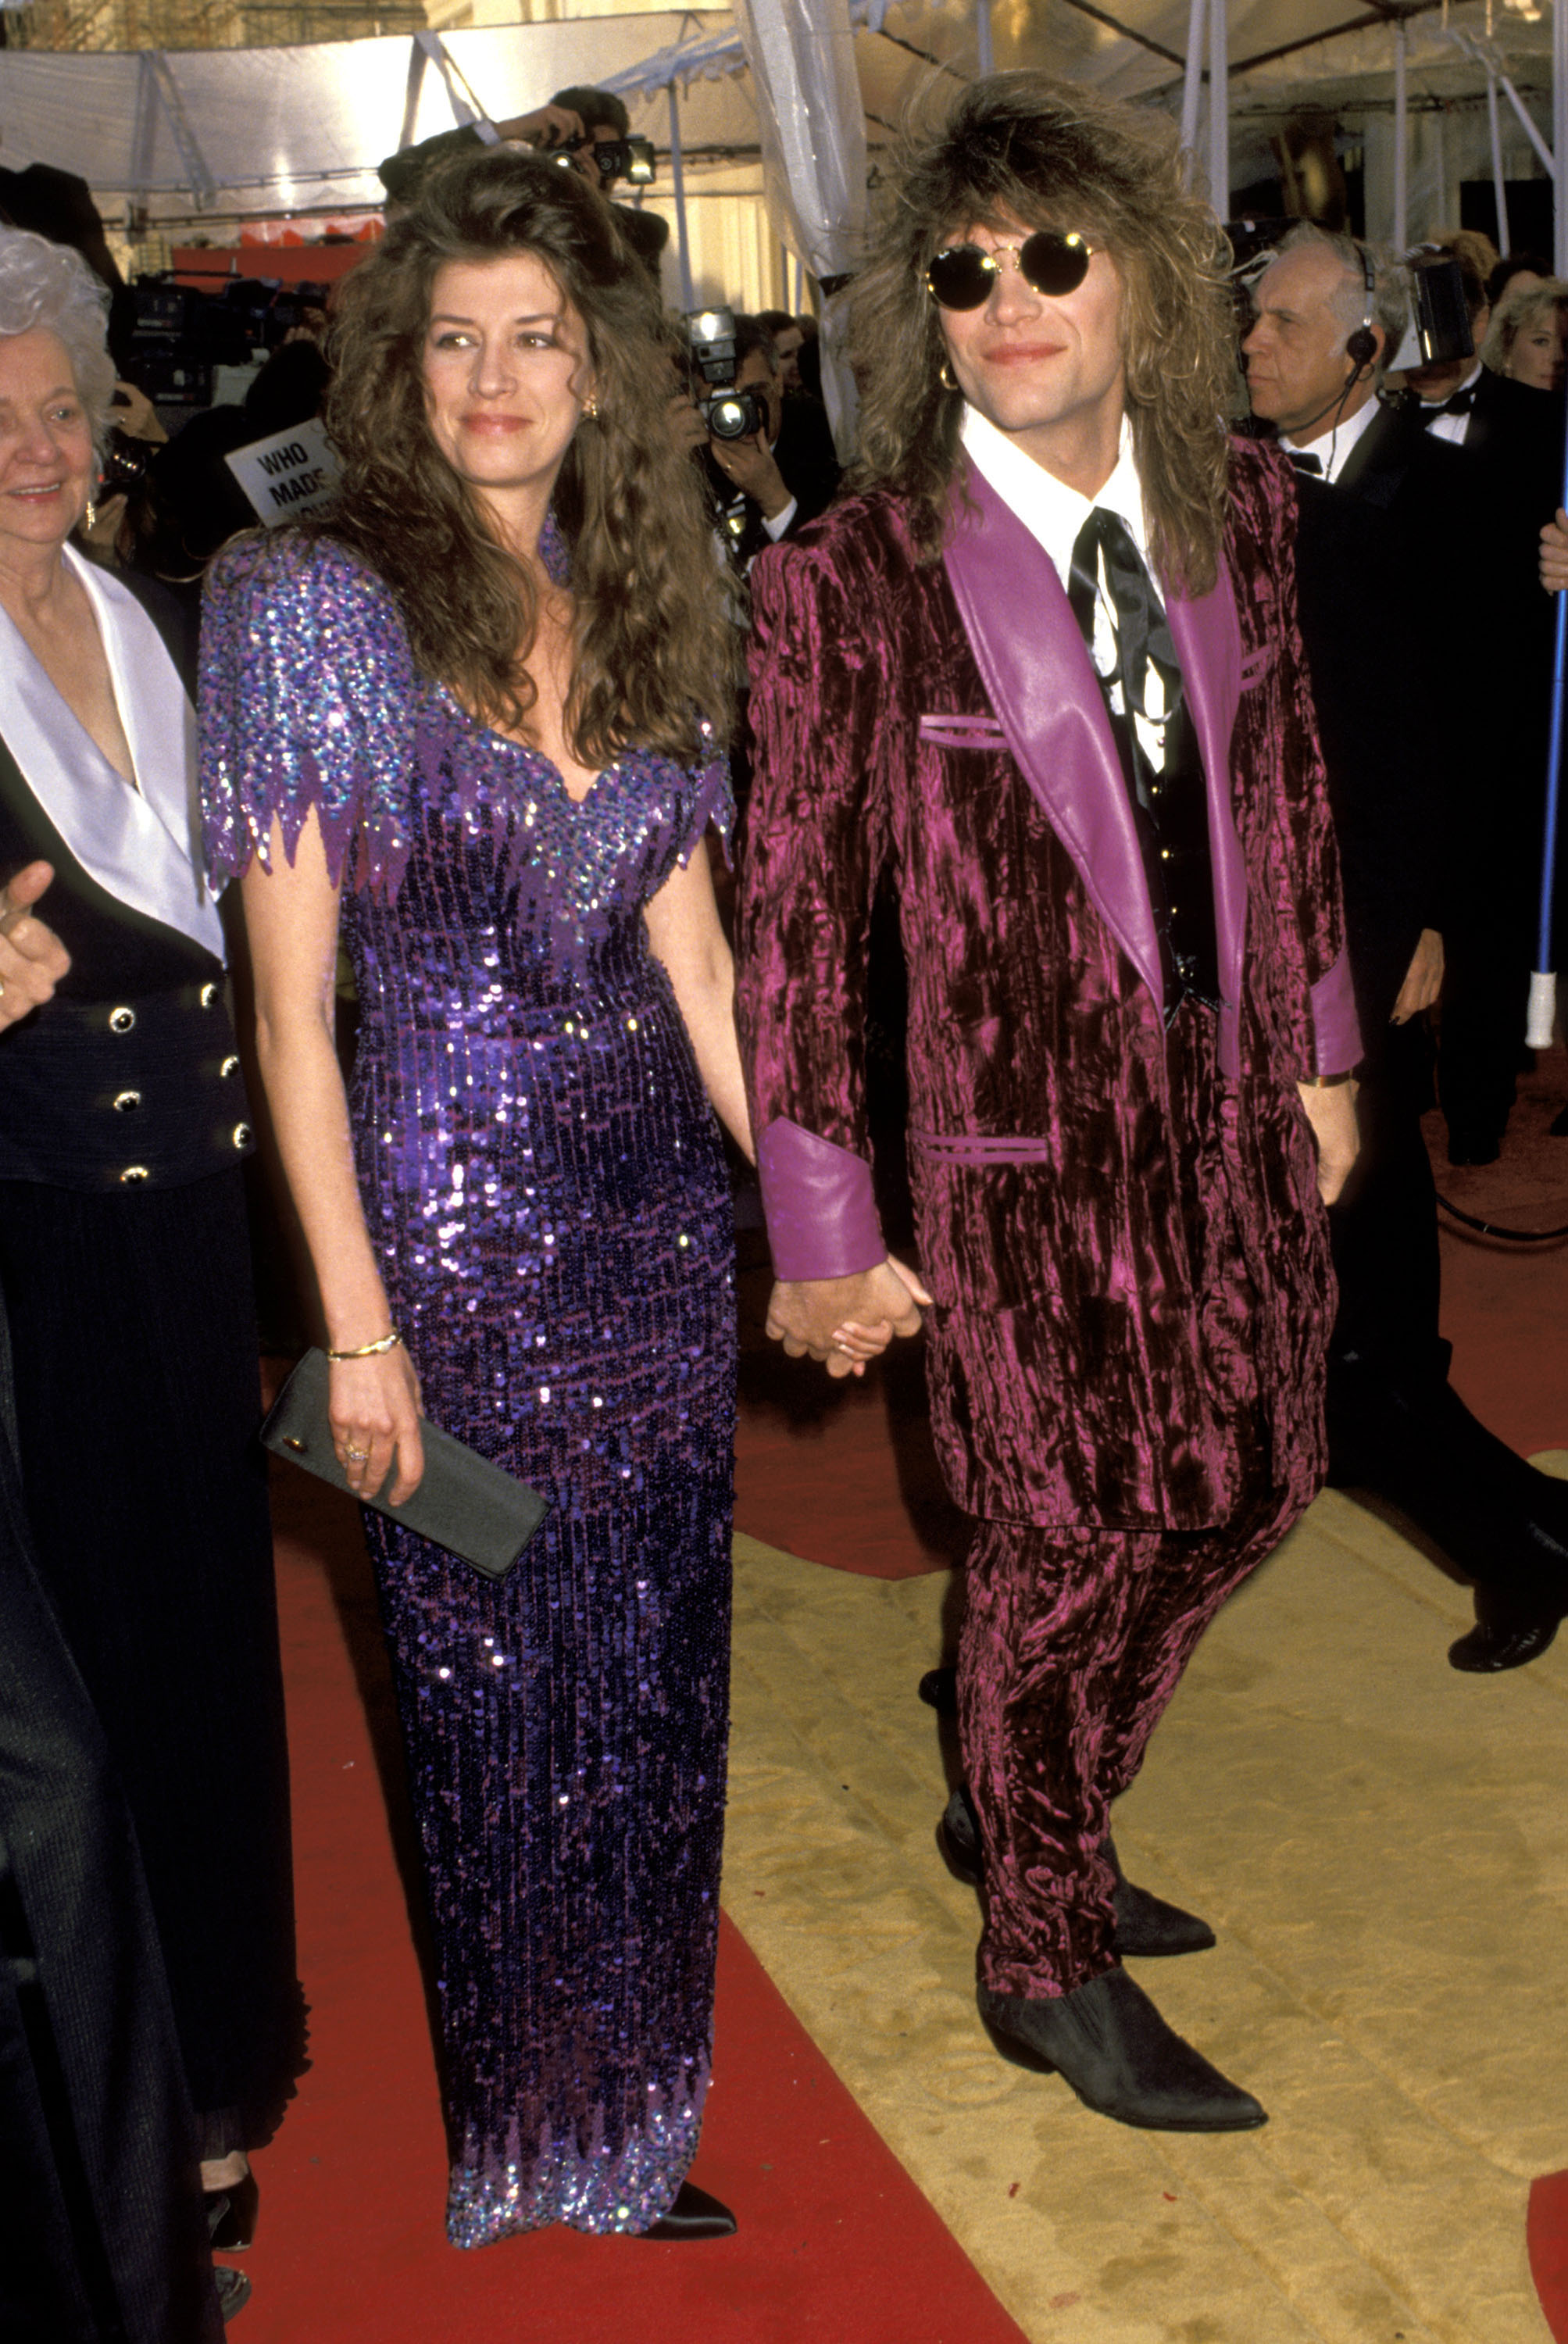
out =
column 1043, row 689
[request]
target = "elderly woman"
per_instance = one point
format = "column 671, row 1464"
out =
column 1529, row 330
column 475, row 718
column 123, row 1262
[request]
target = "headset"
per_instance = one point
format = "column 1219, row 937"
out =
column 1361, row 348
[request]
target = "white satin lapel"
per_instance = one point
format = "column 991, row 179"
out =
column 143, row 844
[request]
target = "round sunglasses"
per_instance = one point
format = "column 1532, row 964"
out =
column 1052, row 262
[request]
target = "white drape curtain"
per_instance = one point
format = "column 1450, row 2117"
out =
column 801, row 53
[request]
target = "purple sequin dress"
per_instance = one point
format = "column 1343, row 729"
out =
column 545, row 1190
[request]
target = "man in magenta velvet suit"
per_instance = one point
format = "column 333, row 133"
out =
column 1044, row 671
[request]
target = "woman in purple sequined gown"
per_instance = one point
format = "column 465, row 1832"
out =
column 528, row 1181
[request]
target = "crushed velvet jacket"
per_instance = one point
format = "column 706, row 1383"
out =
column 941, row 720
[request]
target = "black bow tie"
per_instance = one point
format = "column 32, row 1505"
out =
column 1305, row 461
column 1460, row 404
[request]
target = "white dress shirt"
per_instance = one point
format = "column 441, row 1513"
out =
column 1053, row 514
column 1334, row 449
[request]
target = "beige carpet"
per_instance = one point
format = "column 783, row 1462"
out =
column 1382, row 1845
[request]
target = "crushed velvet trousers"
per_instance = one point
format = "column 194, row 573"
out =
column 1073, row 1642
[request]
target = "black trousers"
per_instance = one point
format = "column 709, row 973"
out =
column 103, row 2238
column 1396, row 1425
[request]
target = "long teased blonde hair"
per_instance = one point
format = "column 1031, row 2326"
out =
column 1021, row 147
column 657, row 645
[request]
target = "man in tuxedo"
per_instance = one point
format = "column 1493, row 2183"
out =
column 1397, row 756
column 1044, row 678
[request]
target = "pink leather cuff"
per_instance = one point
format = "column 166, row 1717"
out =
column 821, row 1213
column 1338, row 1035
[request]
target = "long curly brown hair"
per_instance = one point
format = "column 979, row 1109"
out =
column 657, row 649
column 1021, row 147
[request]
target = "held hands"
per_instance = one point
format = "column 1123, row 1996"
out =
column 1555, row 553
column 1331, row 1112
column 375, row 1409
column 844, row 1321
column 32, row 959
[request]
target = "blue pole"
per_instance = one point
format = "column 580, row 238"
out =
column 1543, row 983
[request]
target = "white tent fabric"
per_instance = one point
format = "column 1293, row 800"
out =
column 801, row 55
column 302, row 128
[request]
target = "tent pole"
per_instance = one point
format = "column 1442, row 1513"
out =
column 1401, row 158
column 1559, row 129
column 678, row 177
column 1498, row 184
column 985, row 55
column 411, row 95
column 1219, row 108
column 1192, row 83
column 1527, row 123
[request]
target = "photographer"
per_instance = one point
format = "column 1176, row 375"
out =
column 769, row 482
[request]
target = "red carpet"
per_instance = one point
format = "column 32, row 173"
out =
column 836, row 2242
column 1547, row 2233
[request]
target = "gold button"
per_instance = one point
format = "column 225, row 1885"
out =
column 132, row 1174
column 298, row 1446
column 121, row 1020
column 210, row 996
column 126, row 1100
column 242, row 1135
column 230, row 1064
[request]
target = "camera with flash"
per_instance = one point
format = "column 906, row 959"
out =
column 729, row 413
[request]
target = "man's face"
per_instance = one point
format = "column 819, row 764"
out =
column 1046, row 368
column 786, row 348
column 754, row 374
column 1299, row 375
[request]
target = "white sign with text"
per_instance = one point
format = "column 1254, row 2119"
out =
column 288, row 474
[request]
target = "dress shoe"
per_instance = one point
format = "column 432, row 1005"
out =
column 233, row 2290
column 694, row 2215
column 1507, row 1634
column 1146, row 1925
column 231, row 2214
column 1110, row 2042
column 1486, row 1650
column 939, row 1689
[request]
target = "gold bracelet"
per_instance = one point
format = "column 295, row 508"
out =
column 370, row 1350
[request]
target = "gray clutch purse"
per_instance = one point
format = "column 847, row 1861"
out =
column 464, row 1502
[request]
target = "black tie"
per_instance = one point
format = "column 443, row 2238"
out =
column 1170, row 807
column 1461, row 403
column 1305, row 461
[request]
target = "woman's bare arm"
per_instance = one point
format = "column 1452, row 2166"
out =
column 291, row 922
column 684, row 933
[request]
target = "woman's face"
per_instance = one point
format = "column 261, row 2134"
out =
column 506, row 373
column 47, row 467
column 1536, row 357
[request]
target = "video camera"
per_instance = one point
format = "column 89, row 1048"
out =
column 729, row 413
column 182, row 333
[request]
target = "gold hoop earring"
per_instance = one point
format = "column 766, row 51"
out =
column 946, row 377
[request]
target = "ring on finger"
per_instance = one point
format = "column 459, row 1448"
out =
column 354, row 1456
